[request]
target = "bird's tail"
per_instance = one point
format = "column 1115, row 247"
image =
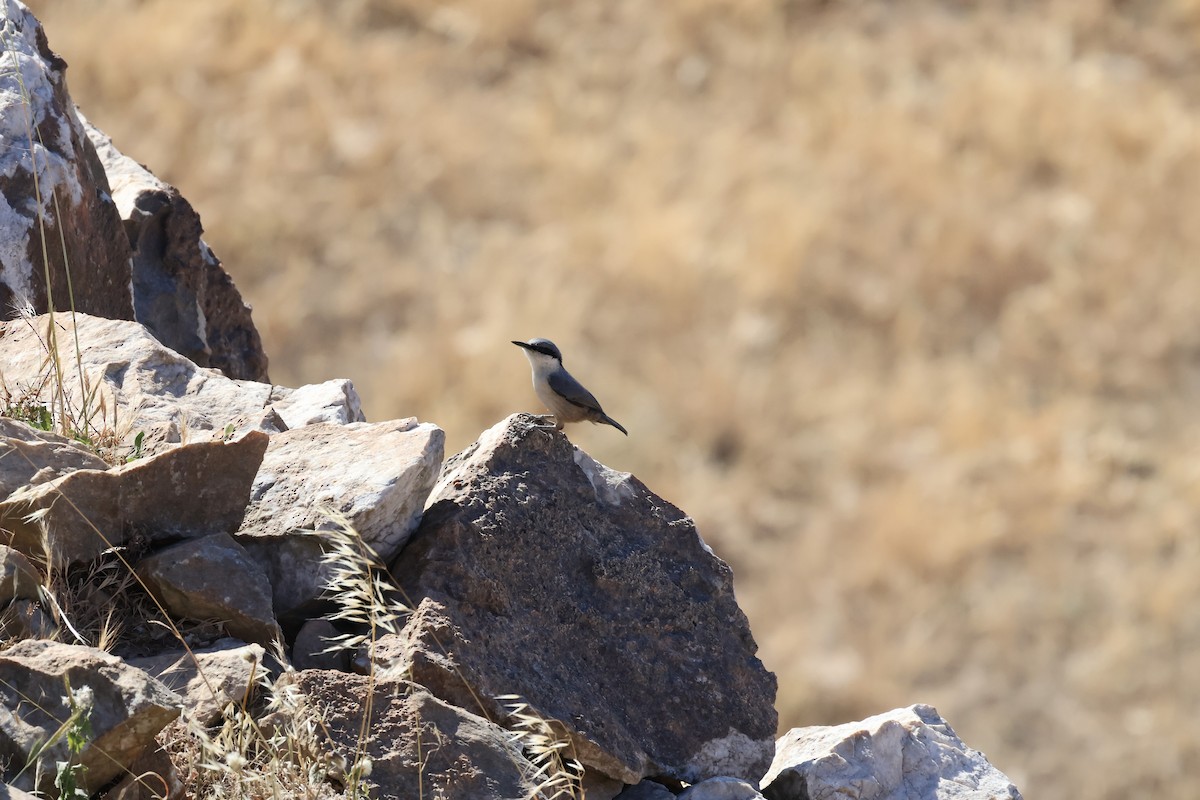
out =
column 607, row 420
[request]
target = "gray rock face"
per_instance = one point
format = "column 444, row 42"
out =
column 595, row 601
column 50, row 176
column 181, row 293
column 146, row 387
column 25, row 619
column 18, row 578
column 907, row 754
column 311, row 650
column 646, row 790
column 377, row 474
column 721, row 789
column 129, row 709
column 213, row 577
column 150, row 389
column 188, row 491
column 219, row 675
column 418, row 743
column 334, row 401
column 13, row 793
column 28, row 455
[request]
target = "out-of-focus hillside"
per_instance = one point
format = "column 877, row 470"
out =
column 900, row 300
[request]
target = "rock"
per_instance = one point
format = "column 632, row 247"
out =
column 418, row 743
column 145, row 387
column 152, row 777
column 52, row 188
column 907, row 754
column 595, row 601
column 646, row 790
column 28, row 455
column 189, row 491
column 334, row 401
column 12, row 793
column 180, row 291
column 25, row 619
column 128, row 709
column 598, row 786
column 376, row 474
column 721, row 789
column 311, row 650
column 18, row 578
column 149, row 389
column 219, row 675
column 213, row 577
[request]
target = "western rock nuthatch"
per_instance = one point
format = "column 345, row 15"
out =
column 564, row 396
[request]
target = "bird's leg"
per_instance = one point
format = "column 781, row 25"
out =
column 544, row 424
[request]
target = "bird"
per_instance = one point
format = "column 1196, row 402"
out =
column 564, row 396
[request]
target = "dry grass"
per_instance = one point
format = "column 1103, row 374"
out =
column 899, row 300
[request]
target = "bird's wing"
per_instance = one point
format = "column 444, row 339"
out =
column 573, row 391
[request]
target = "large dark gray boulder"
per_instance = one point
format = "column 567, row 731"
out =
column 181, row 292
column 575, row 587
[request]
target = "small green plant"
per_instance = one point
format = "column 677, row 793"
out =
column 69, row 774
column 77, row 729
column 137, row 447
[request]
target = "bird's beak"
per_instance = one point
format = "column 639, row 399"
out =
column 522, row 344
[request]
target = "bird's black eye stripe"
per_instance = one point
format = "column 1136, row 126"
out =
column 546, row 351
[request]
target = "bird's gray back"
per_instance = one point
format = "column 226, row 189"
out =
column 561, row 382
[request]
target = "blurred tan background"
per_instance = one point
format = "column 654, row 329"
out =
column 900, row 300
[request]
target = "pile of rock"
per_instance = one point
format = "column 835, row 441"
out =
column 528, row 570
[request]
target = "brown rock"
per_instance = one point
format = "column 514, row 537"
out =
column 55, row 207
column 213, row 577
column 128, row 709
column 217, row 676
column 417, row 743
column 189, row 491
column 180, row 291
column 151, row 777
column 595, row 601
column 28, row 455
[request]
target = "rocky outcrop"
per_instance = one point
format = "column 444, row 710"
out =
column 115, row 241
column 128, row 708
column 907, row 754
column 181, row 293
column 56, row 211
column 376, row 476
column 535, row 572
column 596, row 602
column 192, row 490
